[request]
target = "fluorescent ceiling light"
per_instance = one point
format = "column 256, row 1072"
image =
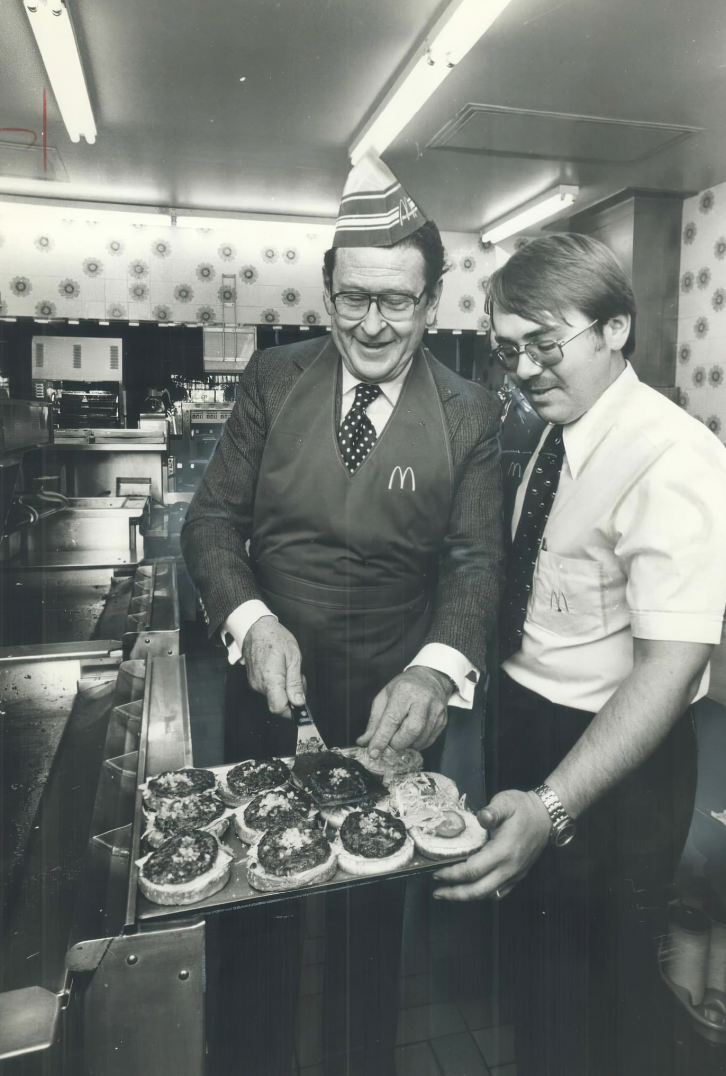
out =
column 532, row 213
column 51, row 25
column 446, row 44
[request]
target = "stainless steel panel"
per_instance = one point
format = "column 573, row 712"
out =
column 23, row 424
column 165, row 744
column 28, row 1020
column 144, row 1007
column 153, row 617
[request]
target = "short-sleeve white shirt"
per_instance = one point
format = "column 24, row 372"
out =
column 635, row 546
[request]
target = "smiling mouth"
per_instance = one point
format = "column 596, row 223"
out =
column 373, row 346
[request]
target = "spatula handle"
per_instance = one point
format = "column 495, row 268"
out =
column 302, row 715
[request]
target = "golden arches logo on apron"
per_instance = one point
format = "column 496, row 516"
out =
column 402, row 476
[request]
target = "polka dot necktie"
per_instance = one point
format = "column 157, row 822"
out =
column 525, row 547
column 357, row 434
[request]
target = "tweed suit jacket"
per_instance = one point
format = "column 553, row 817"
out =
column 219, row 521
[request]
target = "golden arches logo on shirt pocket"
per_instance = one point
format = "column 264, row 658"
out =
column 569, row 596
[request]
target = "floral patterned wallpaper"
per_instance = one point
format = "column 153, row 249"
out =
column 259, row 274
column 701, row 364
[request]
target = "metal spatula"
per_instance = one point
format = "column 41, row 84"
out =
column 309, row 740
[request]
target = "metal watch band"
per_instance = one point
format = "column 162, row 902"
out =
column 563, row 826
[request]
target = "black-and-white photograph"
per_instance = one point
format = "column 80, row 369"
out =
column 362, row 538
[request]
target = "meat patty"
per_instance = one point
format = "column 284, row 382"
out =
column 190, row 813
column 289, row 850
column 278, row 807
column 181, row 858
column 257, row 775
column 372, row 833
column 177, row 784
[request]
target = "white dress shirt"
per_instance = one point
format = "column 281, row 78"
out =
column 635, row 546
column 444, row 659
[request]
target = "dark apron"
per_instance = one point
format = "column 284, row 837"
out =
column 347, row 562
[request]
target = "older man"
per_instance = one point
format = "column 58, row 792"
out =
column 615, row 592
column 364, row 476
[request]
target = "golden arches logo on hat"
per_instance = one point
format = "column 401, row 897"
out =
column 402, row 476
column 375, row 210
column 407, row 210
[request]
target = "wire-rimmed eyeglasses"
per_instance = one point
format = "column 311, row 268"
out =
column 541, row 352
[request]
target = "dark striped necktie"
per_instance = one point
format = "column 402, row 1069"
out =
column 357, row 434
column 525, row 547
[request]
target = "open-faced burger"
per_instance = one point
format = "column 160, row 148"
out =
column 185, row 869
column 246, row 780
column 373, row 842
column 177, row 784
column 441, row 825
column 278, row 807
column 290, row 857
column 338, row 777
column 205, row 811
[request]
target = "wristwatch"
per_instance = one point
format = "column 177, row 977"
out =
column 563, row 827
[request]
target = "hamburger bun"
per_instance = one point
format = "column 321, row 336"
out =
column 241, row 783
column 291, row 857
column 213, row 869
column 433, row 846
column 260, row 879
column 363, row 867
column 390, row 764
column 372, row 841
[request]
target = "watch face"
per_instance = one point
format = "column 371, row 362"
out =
column 565, row 835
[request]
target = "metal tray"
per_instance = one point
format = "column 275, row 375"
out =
column 238, row 891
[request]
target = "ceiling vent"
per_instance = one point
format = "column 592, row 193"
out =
column 39, row 355
column 113, row 352
column 493, row 131
column 76, row 356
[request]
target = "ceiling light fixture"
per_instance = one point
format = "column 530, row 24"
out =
column 446, row 44
column 51, row 24
column 546, row 205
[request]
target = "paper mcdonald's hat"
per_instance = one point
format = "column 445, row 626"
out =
column 375, row 210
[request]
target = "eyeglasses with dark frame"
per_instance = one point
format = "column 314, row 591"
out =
column 392, row 305
column 541, row 352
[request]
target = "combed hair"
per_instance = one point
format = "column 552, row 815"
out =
column 427, row 240
column 562, row 272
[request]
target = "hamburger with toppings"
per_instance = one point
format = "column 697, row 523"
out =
column 278, row 807
column 203, row 811
column 441, row 825
column 290, row 857
column 187, row 868
column 176, row 785
column 244, row 781
column 373, row 842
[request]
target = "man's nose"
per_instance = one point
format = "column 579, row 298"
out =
column 526, row 368
column 373, row 322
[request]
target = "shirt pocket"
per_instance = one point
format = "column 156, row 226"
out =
column 572, row 597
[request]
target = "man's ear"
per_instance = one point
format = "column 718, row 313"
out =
column 616, row 331
column 326, row 293
column 432, row 306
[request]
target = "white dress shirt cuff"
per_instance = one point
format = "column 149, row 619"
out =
column 451, row 663
column 238, row 623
